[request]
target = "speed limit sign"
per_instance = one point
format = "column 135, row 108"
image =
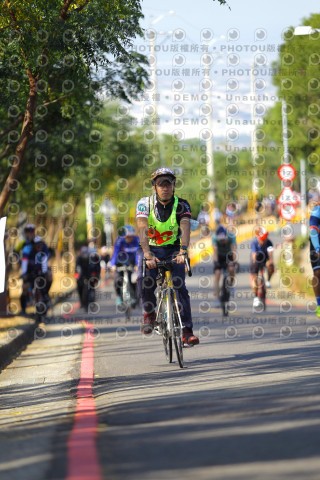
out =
column 287, row 173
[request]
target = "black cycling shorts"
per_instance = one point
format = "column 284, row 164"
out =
column 314, row 258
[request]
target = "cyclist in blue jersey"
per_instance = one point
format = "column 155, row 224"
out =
column 125, row 253
column 314, row 230
column 37, row 268
column 25, row 249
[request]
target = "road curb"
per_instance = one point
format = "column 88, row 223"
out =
column 10, row 350
column 13, row 348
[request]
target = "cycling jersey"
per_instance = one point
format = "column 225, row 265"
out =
column 224, row 247
column 314, row 227
column 125, row 253
column 261, row 251
column 38, row 261
column 27, row 248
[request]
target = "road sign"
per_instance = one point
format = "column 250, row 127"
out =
column 287, row 211
column 288, row 196
column 287, row 173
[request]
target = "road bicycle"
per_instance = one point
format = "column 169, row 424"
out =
column 168, row 322
column 88, row 293
column 39, row 299
column 225, row 289
column 127, row 301
column 225, row 292
column 261, row 285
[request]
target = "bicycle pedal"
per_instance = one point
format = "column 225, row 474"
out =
column 157, row 330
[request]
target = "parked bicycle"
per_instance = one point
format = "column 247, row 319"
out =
column 168, row 322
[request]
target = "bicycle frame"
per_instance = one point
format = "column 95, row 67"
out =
column 225, row 292
column 262, row 285
column 168, row 321
column 126, row 294
column 166, row 295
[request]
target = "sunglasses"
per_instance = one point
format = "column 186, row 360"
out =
column 164, row 184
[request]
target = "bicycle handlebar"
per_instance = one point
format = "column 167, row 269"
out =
column 124, row 268
column 167, row 263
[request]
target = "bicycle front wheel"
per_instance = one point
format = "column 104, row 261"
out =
column 177, row 335
column 262, row 290
column 126, row 296
column 225, row 296
column 166, row 338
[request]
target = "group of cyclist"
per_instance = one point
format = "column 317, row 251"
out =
column 163, row 225
column 163, row 222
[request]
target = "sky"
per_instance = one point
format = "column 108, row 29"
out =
column 192, row 38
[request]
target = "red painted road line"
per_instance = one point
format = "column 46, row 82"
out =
column 273, row 303
column 83, row 463
column 75, row 307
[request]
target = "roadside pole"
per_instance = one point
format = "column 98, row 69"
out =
column 254, row 145
column 209, row 147
column 108, row 209
column 90, row 219
column 303, row 198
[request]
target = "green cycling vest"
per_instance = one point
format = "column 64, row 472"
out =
column 163, row 233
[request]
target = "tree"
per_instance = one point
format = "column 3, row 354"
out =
column 296, row 76
column 52, row 53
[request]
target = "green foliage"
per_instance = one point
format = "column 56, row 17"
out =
column 297, row 76
column 77, row 56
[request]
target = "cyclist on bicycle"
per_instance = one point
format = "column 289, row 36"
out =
column 125, row 253
column 36, row 268
column 25, row 248
column 163, row 222
column 224, row 255
column 261, row 256
column 314, row 229
column 87, row 267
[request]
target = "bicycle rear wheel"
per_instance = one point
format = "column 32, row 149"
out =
column 167, row 340
column 126, row 296
column 262, row 290
column 177, row 334
column 84, row 296
column 40, row 307
column 224, row 297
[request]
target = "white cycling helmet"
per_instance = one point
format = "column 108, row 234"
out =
column 163, row 172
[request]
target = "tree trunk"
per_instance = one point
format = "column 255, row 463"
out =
column 26, row 133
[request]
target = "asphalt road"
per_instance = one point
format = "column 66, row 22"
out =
column 246, row 405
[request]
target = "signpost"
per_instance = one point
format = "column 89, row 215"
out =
column 287, row 199
column 108, row 209
column 287, row 173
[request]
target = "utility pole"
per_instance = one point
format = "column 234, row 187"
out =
column 286, row 155
column 303, row 198
column 209, row 147
column 153, row 67
column 90, row 219
column 254, row 142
